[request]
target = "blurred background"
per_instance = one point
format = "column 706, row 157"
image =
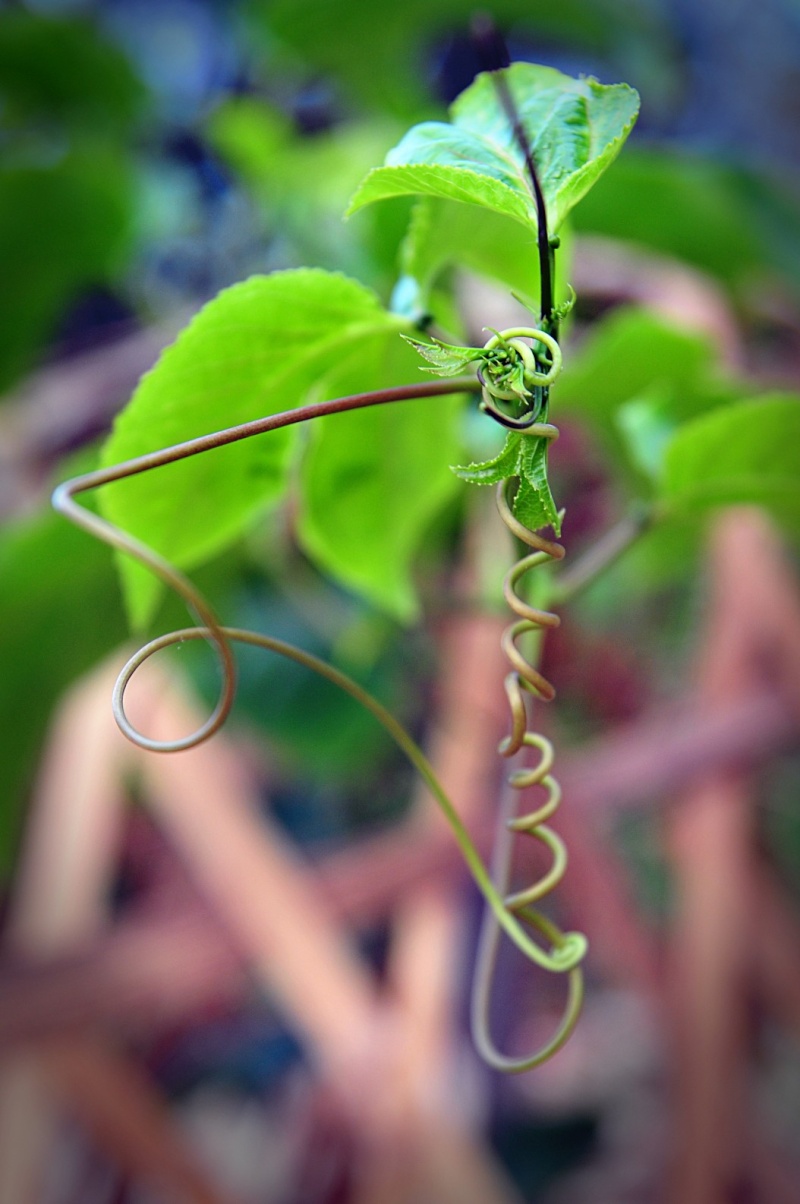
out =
column 243, row 975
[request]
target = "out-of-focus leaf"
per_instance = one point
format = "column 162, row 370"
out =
column 446, row 233
column 576, row 128
column 625, row 354
column 61, row 229
column 396, row 41
column 647, row 425
column 722, row 220
column 256, row 349
column 62, row 73
column 373, row 480
column 303, row 185
column 746, row 452
column 634, row 356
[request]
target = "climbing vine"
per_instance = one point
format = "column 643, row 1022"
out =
column 218, row 414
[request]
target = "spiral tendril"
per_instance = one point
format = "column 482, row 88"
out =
column 506, row 913
column 566, row 949
column 513, row 372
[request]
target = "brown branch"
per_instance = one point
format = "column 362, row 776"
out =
column 753, row 624
column 256, row 884
column 147, row 971
column 114, row 976
column 118, row 1105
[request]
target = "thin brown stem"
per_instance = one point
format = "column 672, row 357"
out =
column 246, row 430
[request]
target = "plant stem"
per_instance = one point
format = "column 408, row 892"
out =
column 259, row 426
column 494, row 54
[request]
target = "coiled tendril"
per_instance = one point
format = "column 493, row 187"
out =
column 566, row 949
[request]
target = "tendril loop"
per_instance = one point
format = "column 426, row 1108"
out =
column 566, row 949
column 514, row 373
column 512, row 914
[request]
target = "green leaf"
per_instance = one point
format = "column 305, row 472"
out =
column 256, row 349
column 283, row 172
column 63, row 73
column 373, row 480
column 576, row 128
column 447, row 359
column 740, row 225
column 62, row 228
column 523, row 456
column 492, row 472
column 467, row 183
column 634, row 356
column 647, row 424
column 534, row 505
column 747, row 452
column 625, row 354
column 444, row 233
column 701, row 215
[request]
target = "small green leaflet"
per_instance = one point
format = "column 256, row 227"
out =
column 576, row 128
column 502, row 363
column 447, row 359
column 523, row 456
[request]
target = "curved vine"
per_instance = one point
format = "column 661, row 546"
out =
column 568, row 949
column 221, row 637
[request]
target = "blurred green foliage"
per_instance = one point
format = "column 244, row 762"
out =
column 732, row 223
column 62, row 228
column 378, row 54
column 62, row 77
column 68, row 102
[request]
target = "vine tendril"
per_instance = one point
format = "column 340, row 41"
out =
column 63, row 501
column 567, row 949
column 221, row 638
column 511, row 371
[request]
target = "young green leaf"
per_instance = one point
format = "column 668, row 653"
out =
column 447, row 359
column 256, row 349
column 576, row 128
column 746, row 452
column 534, row 505
column 523, row 456
column 444, row 232
column 492, row 472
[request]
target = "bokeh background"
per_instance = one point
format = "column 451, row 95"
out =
column 246, row 978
